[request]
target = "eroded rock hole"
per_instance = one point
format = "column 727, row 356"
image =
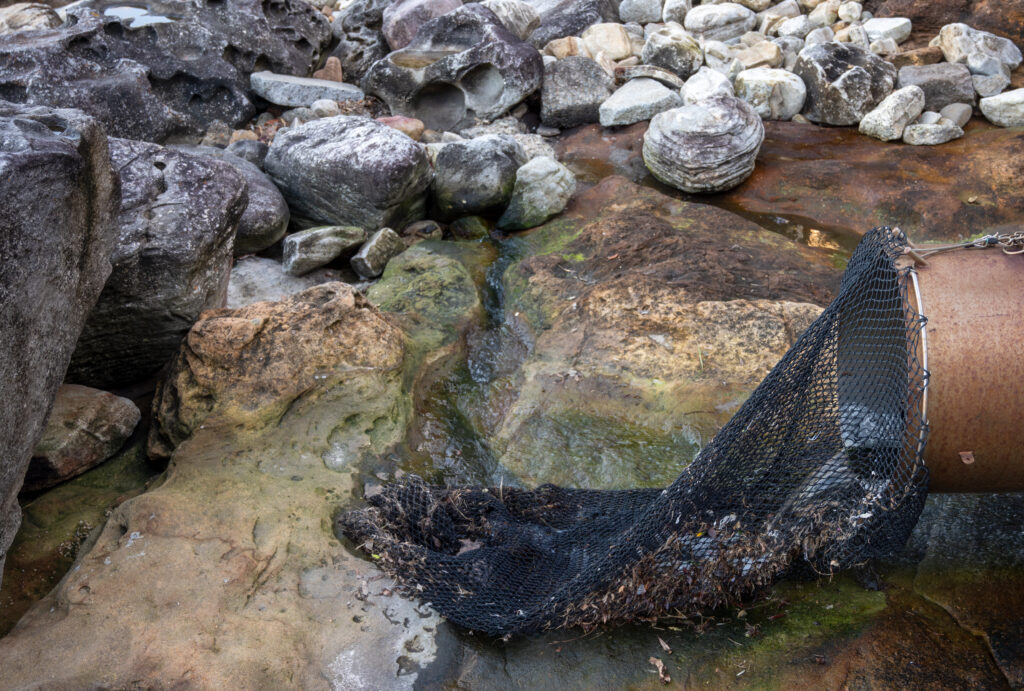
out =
column 440, row 106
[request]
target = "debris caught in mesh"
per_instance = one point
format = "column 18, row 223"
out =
column 821, row 466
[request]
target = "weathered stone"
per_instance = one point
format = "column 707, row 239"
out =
column 673, row 49
column 709, row 146
column 896, row 28
column 179, row 214
column 543, row 188
column 266, row 215
column 636, row 100
column 350, row 171
column 27, row 16
column 844, row 82
column 706, row 83
column 403, row 18
column 286, row 90
column 917, row 56
column 825, row 14
column 573, row 91
column 314, row 247
column 942, row 84
column 897, row 110
column 774, row 94
column 86, row 427
column 610, row 39
column 957, row 113
column 647, row 11
column 658, row 74
column 764, row 54
column 570, row 18
column 144, row 81
column 820, row 35
column 884, row 46
column 516, row 16
column 1005, row 110
column 960, row 43
column 462, row 65
column 849, row 12
column 59, row 196
column 250, row 150
column 930, row 135
column 990, row 85
column 565, row 47
column 798, row 27
column 410, row 127
column 372, row 258
column 928, row 117
column 258, row 279
column 476, row 176
column 361, row 42
column 331, row 71
column 720, row 22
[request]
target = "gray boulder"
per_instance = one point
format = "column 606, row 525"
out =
column 890, row 117
column 720, row 22
column 265, row 220
column 672, row 48
column 943, row 83
column 637, row 100
column 154, row 80
column 62, row 240
column 1005, row 110
column 465, row 64
column 844, row 82
column 86, row 427
column 574, row 89
column 982, row 52
column 350, row 171
column 315, row 247
column 373, row 257
column 543, row 188
column 177, row 225
column 476, row 176
column 931, row 134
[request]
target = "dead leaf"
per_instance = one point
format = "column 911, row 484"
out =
column 662, row 672
column 664, row 645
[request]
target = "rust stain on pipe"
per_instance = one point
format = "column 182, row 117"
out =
column 974, row 302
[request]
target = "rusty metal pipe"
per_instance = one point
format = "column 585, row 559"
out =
column 974, row 302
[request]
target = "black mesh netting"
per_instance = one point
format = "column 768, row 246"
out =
column 821, row 466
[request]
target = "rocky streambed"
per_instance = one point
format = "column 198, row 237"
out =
column 296, row 251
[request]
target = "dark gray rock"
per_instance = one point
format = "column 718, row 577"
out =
column 86, row 427
column 265, row 220
column 360, row 37
column 476, row 176
column 403, row 18
column 571, row 18
column 59, row 199
column 574, row 89
column 158, row 79
column 465, row 64
column 178, row 218
column 251, row 150
column 350, row 171
column 943, row 83
column 844, row 82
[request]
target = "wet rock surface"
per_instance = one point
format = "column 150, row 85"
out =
column 62, row 242
column 177, row 224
